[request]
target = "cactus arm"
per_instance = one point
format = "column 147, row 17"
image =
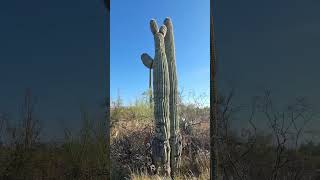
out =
column 163, row 30
column 147, row 60
column 154, row 27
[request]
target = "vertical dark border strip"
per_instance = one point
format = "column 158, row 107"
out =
column 214, row 156
column 107, row 105
column 107, row 5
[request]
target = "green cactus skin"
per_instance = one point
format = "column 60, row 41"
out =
column 166, row 154
column 175, row 139
column 161, row 91
column 148, row 62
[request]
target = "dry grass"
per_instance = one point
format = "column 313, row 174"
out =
column 144, row 176
column 82, row 154
column 132, row 131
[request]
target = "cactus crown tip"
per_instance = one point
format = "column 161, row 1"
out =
column 163, row 30
column 153, row 21
column 143, row 54
column 167, row 20
column 153, row 26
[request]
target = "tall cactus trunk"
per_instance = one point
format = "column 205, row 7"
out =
column 175, row 138
column 166, row 145
column 161, row 86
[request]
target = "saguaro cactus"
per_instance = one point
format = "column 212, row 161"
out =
column 161, row 91
column 175, row 138
column 165, row 87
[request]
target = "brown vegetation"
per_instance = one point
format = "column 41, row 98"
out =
column 278, row 152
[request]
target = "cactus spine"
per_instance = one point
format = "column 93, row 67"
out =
column 175, row 139
column 166, row 145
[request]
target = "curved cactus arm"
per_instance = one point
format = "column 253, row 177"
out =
column 154, row 26
column 147, row 60
column 163, row 30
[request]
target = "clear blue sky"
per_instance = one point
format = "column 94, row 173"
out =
column 130, row 37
